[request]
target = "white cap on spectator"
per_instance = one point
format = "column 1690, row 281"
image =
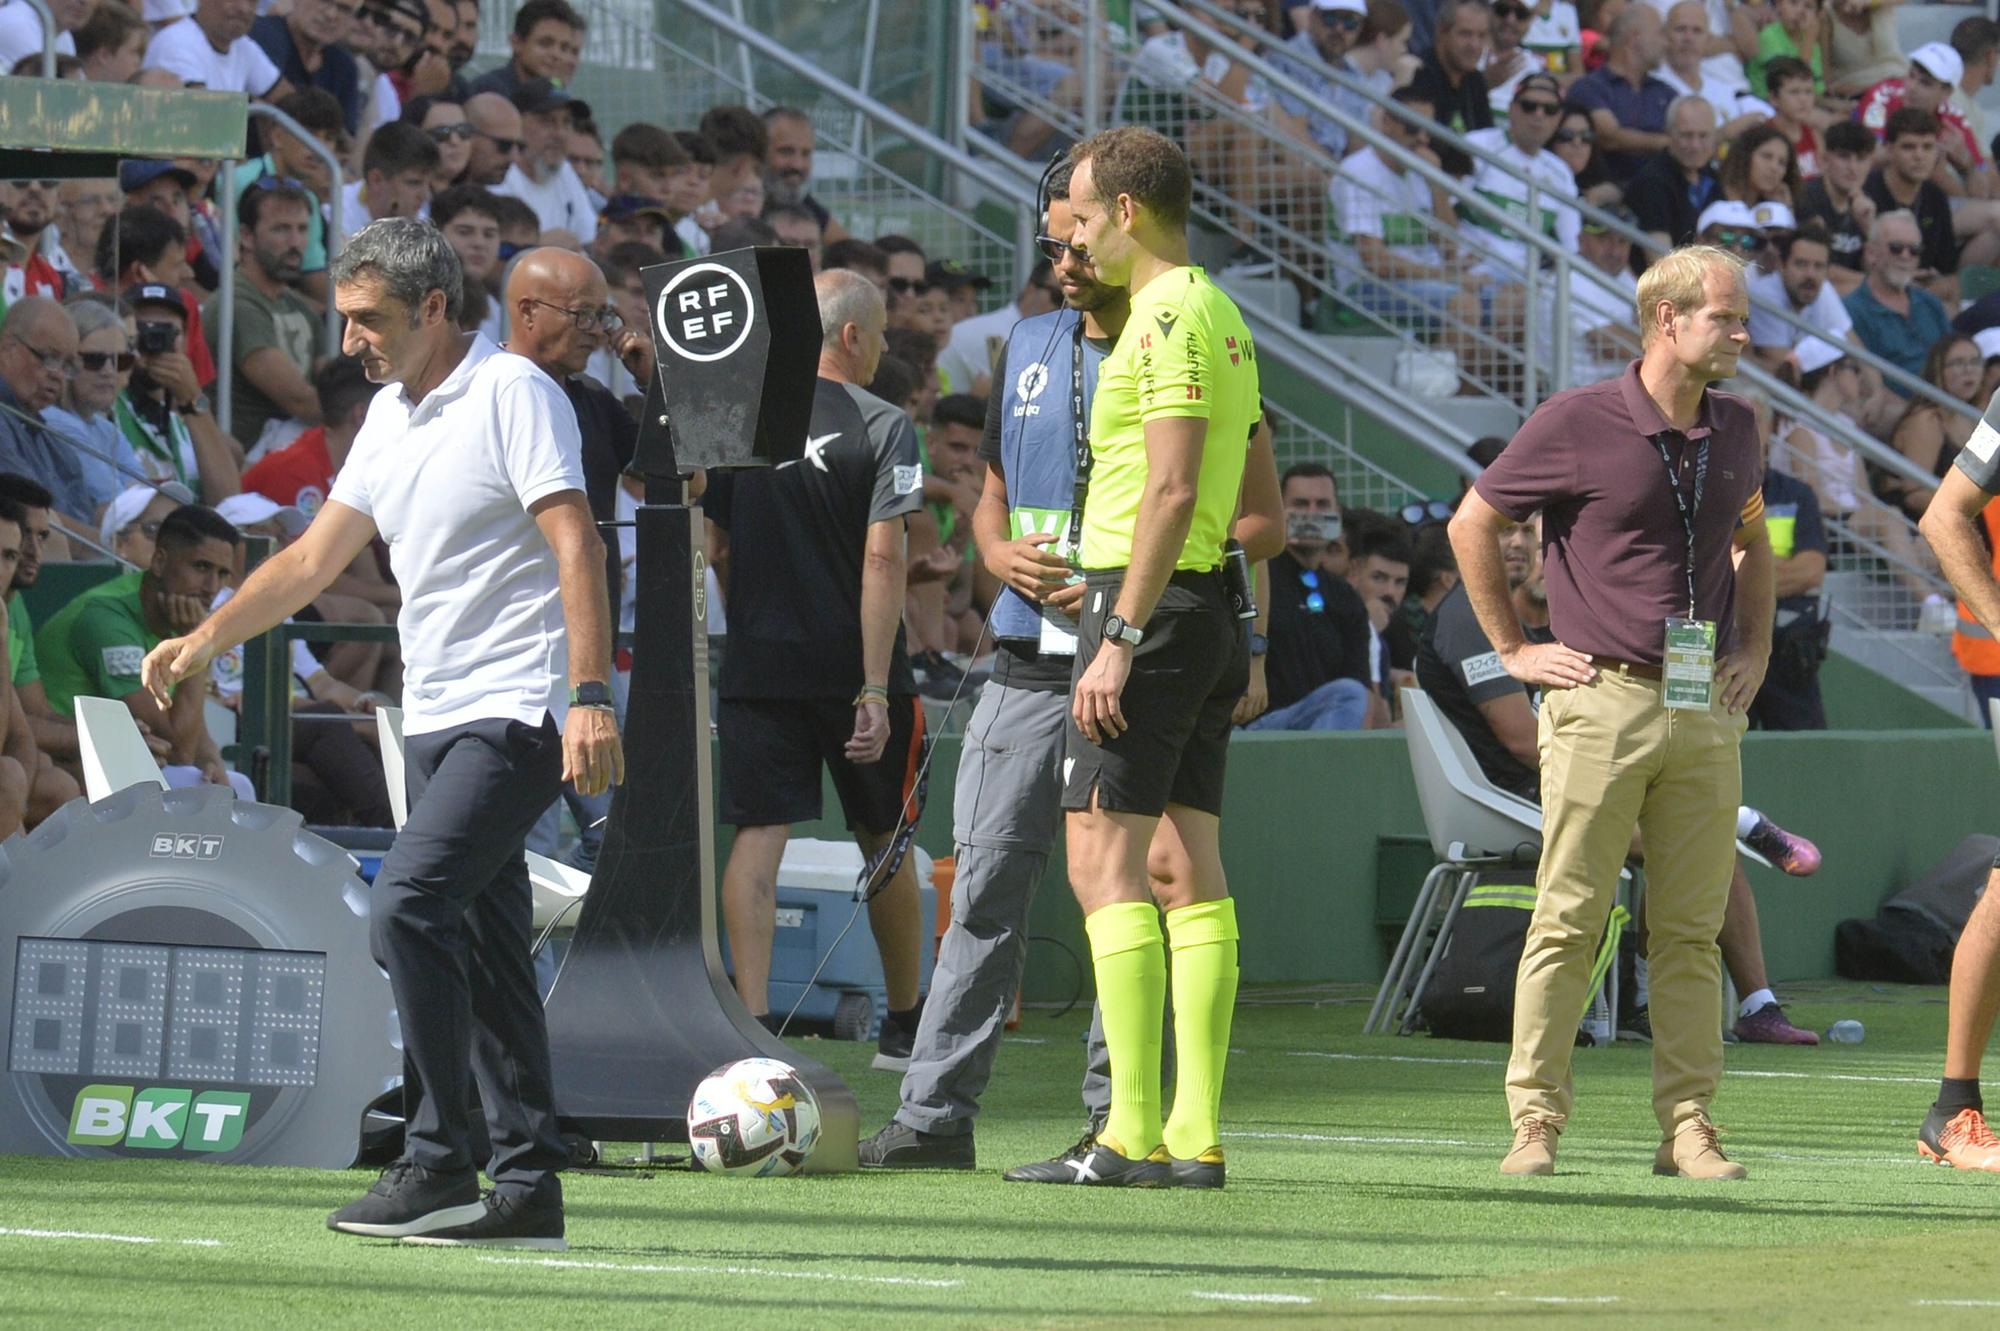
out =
column 1816, row 353
column 124, row 510
column 250, row 508
column 1774, row 216
column 1351, row 6
column 1941, row 61
column 166, row 11
column 1727, row 212
column 1988, row 340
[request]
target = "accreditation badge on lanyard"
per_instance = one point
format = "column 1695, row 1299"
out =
column 1687, row 665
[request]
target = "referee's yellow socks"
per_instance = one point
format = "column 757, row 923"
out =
column 1203, row 938
column 1130, row 962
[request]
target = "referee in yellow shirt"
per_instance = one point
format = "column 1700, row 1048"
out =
column 1158, row 663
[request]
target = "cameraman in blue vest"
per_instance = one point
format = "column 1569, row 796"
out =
column 1007, row 804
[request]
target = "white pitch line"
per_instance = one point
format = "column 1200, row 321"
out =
column 1956, row 1303
column 87, row 1236
column 688, row 1269
column 1496, row 1063
column 1224, row 1296
column 1359, row 1141
column 1502, row 1297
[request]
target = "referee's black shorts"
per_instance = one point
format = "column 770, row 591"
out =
column 1186, row 678
column 772, row 749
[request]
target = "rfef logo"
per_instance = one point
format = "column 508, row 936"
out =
column 705, row 312
column 185, row 846
column 158, row 1118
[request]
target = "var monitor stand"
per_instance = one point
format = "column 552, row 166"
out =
column 641, row 1010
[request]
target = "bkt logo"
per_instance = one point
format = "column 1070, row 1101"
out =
column 185, row 846
column 158, row 1118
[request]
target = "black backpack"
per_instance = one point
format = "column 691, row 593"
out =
column 1471, row 993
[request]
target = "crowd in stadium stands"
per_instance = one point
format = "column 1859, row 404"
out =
column 1856, row 179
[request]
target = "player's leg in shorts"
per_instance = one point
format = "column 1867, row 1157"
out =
column 1115, row 792
column 1007, row 813
column 769, row 770
column 877, row 797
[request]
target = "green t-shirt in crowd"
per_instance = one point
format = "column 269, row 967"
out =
column 94, row 646
column 287, row 323
column 22, row 665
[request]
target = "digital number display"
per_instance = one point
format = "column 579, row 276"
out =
column 150, row 1012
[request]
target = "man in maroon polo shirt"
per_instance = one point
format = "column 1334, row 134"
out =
column 1648, row 484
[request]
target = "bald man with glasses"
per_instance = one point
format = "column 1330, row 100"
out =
column 37, row 360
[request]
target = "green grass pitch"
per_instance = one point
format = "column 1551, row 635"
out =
column 1362, row 1190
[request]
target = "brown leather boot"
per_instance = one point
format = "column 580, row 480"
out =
column 1534, row 1150
column 1694, row 1152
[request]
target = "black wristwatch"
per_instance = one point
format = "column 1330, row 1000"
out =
column 1116, row 629
column 591, row 693
column 1259, row 644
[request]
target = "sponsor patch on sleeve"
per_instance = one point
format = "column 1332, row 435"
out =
column 909, row 479
column 122, row 662
column 1481, row 668
column 1984, row 444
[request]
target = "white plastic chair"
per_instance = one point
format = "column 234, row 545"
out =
column 557, row 886
column 1472, row 824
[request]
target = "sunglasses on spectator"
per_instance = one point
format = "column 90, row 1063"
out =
column 1574, row 136
column 99, row 361
column 1518, row 13
column 1341, row 18
column 604, row 320
column 50, row 185
column 505, row 147
column 1538, row 108
column 1054, row 250
column 1747, row 241
column 1315, row 602
column 909, row 286
column 462, row 131
column 1902, row 249
column 1422, row 514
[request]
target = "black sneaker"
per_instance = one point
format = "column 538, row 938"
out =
column 1094, row 1164
column 1207, row 1170
column 896, row 1040
column 508, row 1220
column 937, row 677
column 899, row 1146
column 409, row 1199
column 1636, row 1025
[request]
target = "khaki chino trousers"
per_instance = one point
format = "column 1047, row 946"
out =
column 1614, row 757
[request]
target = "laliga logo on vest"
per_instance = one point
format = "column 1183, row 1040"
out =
column 1028, row 386
column 705, row 313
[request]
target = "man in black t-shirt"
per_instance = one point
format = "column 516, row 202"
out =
column 1904, row 181
column 1461, row 673
column 1449, row 78
column 1835, row 197
column 1316, row 659
column 816, row 670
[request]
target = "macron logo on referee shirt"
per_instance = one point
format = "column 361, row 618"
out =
column 815, row 450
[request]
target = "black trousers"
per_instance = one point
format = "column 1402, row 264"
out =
column 452, row 924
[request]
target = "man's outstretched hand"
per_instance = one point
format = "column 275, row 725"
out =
column 168, row 664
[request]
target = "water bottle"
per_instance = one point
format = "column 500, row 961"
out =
column 1848, row 1031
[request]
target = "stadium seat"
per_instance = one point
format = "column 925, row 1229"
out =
column 1472, row 824
column 557, row 886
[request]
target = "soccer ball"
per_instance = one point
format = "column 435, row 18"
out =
column 755, row 1116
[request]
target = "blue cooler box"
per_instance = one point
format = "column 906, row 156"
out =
column 815, row 900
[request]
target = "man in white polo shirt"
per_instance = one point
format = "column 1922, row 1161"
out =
column 469, row 468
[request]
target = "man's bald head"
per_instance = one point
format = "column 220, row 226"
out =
column 551, row 295
column 496, row 139
column 37, row 351
column 852, row 318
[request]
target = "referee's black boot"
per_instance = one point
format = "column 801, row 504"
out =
column 512, row 1219
column 409, row 1199
column 899, row 1146
column 1097, row 1164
